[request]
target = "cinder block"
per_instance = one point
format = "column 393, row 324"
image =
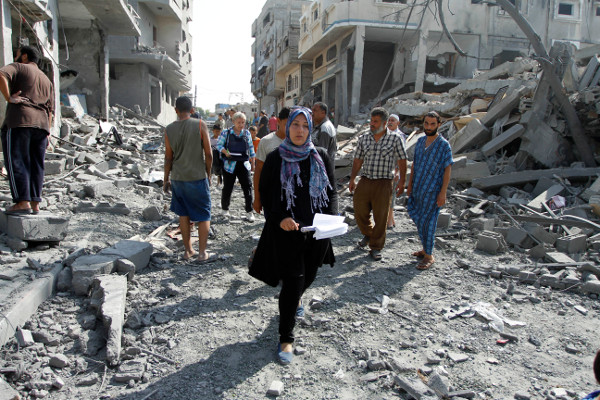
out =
column 552, row 280
column 137, row 252
column 86, row 268
column 54, row 167
column 481, row 224
column 42, row 227
column 527, row 277
column 491, row 242
column 124, row 183
column 572, row 244
column 541, row 234
column 443, row 221
column 98, row 188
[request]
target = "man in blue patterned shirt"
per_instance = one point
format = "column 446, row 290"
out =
column 429, row 178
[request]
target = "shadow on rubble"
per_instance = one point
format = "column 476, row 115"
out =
column 225, row 368
column 377, row 277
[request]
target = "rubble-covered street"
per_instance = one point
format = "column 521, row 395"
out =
column 509, row 310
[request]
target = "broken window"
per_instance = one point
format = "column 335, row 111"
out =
column 319, row 61
column 565, row 9
column 267, row 19
column 332, row 53
column 315, row 14
column 598, row 11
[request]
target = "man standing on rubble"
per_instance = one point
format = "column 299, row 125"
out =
column 378, row 152
column 429, row 178
column 324, row 134
column 188, row 158
column 30, row 97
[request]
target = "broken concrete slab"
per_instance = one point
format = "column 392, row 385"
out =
column 545, row 144
column 137, row 252
column 522, row 177
column 108, row 298
column 538, row 232
column 42, row 227
column 469, row 171
column 504, row 106
column 23, row 307
column 7, row 392
column 518, row 237
column 593, row 190
column 503, row 139
column 589, row 73
column 543, row 197
column 415, row 388
column 473, row 134
column 558, row 257
column 86, row 268
column 131, row 369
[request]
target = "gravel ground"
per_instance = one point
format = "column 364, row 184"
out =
column 213, row 328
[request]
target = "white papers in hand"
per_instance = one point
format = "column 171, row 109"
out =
column 235, row 154
column 327, row 226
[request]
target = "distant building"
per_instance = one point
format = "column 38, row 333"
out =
column 151, row 70
column 279, row 77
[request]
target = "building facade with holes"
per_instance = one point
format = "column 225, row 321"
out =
column 99, row 53
column 364, row 51
column 279, row 77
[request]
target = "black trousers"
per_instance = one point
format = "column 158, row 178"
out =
column 292, row 289
column 243, row 175
column 24, row 151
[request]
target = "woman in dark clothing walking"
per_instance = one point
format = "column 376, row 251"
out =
column 296, row 182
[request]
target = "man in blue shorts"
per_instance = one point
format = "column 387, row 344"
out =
column 188, row 158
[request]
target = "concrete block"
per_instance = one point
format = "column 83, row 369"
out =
column 124, row 183
column 275, row 388
column 527, row 277
column 126, row 268
column 98, row 188
column 502, row 140
column 152, row 213
column 24, row 337
column 471, row 170
column 572, row 244
column 102, row 166
column 137, row 252
column 473, row 134
column 86, row 268
column 108, row 298
column 444, row 219
column 92, row 158
column 491, row 242
column 481, row 224
column 65, row 280
column 42, row 227
column 552, row 280
column 54, row 167
column 415, row 387
column 131, row 369
column 546, row 195
column 540, row 250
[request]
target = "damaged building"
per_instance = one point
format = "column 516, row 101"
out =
column 363, row 52
column 279, row 76
column 135, row 53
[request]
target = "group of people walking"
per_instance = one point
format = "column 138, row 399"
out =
column 293, row 180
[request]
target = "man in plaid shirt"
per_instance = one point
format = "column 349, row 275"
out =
column 378, row 152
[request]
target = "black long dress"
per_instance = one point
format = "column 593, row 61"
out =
column 289, row 253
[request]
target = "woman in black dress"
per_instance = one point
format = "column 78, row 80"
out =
column 296, row 182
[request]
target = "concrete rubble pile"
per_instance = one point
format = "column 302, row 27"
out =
column 89, row 169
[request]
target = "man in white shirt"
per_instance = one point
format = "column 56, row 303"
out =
column 266, row 145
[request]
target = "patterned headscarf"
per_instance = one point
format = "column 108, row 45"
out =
column 290, row 165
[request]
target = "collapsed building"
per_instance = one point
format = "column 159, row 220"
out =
column 359, row 53
column 135, row 53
